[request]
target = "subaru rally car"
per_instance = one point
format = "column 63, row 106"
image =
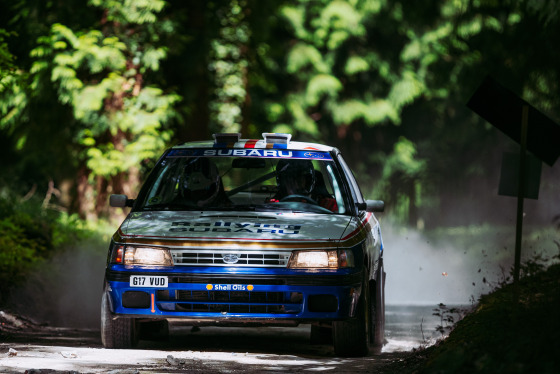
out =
column 237, row 232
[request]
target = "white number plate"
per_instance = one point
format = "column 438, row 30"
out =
column 148, row 281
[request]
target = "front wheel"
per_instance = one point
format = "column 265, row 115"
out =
column 351, row 337
column 116, row 333
column 378, row 312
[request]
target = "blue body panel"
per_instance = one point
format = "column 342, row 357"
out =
column 284, row 305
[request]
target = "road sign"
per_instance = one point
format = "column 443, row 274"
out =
column 509, row 176
column 533, row 131
column 502, row 108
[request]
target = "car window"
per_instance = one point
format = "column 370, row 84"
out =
column 356, row 192
column 186, row 182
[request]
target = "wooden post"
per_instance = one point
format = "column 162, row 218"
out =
column 520, row 197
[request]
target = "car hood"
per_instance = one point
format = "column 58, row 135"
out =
column 185, row 228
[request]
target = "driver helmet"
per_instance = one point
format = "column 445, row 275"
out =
column 295, row 176
column 201, row 181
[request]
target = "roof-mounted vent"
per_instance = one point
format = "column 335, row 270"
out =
column 275, row 138
column 230, row 137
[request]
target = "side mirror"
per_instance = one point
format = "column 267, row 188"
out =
column 120, row 201
column 372, row 206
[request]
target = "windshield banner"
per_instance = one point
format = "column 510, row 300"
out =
column 267, row 153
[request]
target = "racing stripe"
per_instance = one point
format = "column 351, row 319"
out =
column 362, row 225
column 251, row 143
column 359, row 234
column 276, row 146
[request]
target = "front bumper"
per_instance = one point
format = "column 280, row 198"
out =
column 230, row 296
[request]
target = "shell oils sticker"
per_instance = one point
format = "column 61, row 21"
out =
column 255, row 228
column 230, row 287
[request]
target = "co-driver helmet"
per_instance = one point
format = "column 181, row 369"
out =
column 295, row 176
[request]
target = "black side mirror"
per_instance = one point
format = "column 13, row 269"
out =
column 120, row 201
column 372, row 206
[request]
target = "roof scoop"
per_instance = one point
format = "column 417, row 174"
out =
column 226, row 137
column 276, row 138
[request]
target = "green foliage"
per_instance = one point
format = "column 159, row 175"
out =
column 101, row 77
column 390, row 60
column 24, row 239
column 356, row 65
column 229, row 67
column 370, row 112
column 91, row 84
column 349, row 73
column 403, row 160
column 131, row 11
column 305, row 57
column 13, row 99
column 17, row 255
column 6, row 58
column 334, row 40
column 403, row 175
column 322, row 85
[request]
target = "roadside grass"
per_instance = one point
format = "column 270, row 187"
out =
column 500, row 336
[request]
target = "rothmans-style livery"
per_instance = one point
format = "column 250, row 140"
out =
column 238, row 232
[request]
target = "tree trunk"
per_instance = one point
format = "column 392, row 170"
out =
column 85, row 195
column 196, row 123
column 102, row 196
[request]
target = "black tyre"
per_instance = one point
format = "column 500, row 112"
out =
column 378, row 311
column 351, row 337
column 116, row 333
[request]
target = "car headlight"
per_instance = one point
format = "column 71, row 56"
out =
column 140, row 255
column 342, row 258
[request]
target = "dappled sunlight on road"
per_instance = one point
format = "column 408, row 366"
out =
column 215, row 349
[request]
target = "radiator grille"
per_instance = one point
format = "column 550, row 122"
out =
column 230, row 258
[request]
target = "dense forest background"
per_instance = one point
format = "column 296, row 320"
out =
column 93, row 91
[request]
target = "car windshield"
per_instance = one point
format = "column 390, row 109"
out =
column 192, row 180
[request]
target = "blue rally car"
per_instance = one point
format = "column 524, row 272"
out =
column 238, row 232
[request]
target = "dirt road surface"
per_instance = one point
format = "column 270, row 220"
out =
column 31, row 348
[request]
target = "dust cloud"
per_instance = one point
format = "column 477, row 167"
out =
column 65, row 291
column 420, row 272
column 423, row 271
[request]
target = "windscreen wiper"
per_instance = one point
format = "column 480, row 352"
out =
column 291, row 207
